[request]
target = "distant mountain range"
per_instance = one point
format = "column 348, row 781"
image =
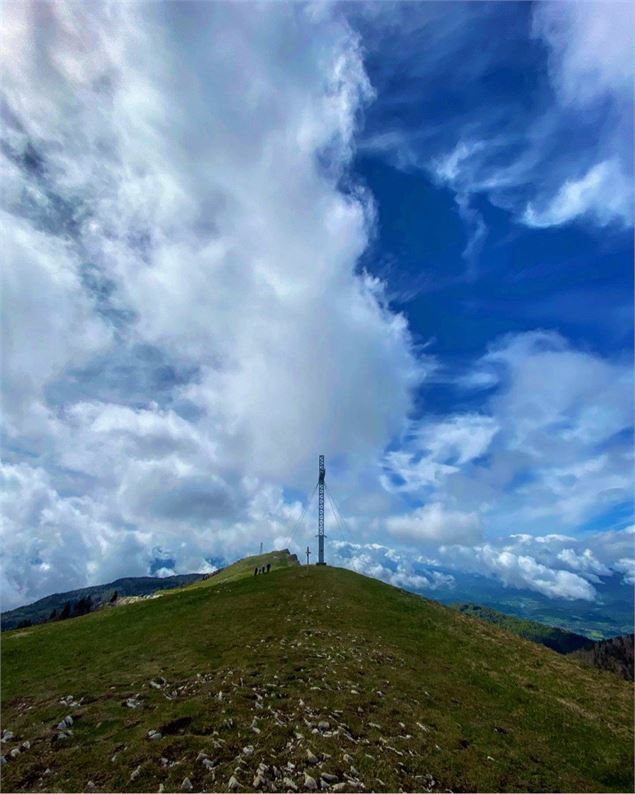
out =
column 52, row 607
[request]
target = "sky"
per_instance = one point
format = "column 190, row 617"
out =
column 240, row 235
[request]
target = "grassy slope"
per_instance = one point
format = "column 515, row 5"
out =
column 39, row 611
column 555, row 638
column 461, row 700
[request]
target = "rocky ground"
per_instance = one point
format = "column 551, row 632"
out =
column 303, row 690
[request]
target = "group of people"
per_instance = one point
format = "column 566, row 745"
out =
column 262, row 569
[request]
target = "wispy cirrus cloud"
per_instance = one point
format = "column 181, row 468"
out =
column 556, row 154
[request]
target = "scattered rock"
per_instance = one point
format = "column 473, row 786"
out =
column 15, row 752
column 330, row 779
column 152, row 735
column 311, row 757
column 208, row 764
column 258, row 781
column 201, row 756
column 248, row 750
column 340, row 786
column 26, row 745
column 90, row 786
column 289, row 784
column 7, row 735
column 135, row 773
column 186, row 785
column 3, row 760
column 309, row 783
column 233, row 784
column 132, row 703
column 323, row 725
column 161, row 789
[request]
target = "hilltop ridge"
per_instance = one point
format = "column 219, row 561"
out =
column 305, row 678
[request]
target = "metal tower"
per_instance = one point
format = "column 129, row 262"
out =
column 321, row 513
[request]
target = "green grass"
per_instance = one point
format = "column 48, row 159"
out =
column 555, row 638
column 455, row 698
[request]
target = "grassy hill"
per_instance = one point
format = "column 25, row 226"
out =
column 305, row 677
column 40, row 611
column 557, row 639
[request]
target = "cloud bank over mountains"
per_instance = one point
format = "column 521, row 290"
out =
column 186, row 325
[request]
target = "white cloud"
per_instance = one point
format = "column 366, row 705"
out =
column 585, row 562
column 435, row 450
column 603, row 194
column 48, row 324
column 460, row 438
column 433, row 523
column 558, row 452
column 519, row 570
column 590, row 48
column 176, row 221
column 530, row 170
column 389, row 565
column 627, row 567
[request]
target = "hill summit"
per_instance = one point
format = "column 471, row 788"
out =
column 301, row 679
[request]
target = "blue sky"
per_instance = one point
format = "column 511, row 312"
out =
column 241, row 235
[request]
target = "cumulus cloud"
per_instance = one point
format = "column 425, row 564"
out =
column 590, row 48
column 389, row 565
column 627, row 567
column 433, row 523
column 183, row 305
column 553, row 450
column 521, row 570
column 542, row 448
